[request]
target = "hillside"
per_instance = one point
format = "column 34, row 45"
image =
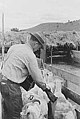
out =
column 53, row 32
column 53, row 26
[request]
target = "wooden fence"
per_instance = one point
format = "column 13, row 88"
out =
column 71, row 90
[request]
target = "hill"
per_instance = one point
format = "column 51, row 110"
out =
column 53, row 32
column 53, row 26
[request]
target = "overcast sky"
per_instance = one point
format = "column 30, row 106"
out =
column 28, row 13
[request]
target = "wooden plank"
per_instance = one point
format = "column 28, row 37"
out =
column 70, row 94
column 69, row 75
column 59, row 53
column 0, row 106
column 3, row 37
column 73, row 96
column 51, row 55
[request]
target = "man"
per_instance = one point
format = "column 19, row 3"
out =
column 18, row 64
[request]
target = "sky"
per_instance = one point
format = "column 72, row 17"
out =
column 24, row 14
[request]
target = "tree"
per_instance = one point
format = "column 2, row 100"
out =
column 15, row 29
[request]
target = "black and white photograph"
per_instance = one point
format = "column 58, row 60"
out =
column 39, row 59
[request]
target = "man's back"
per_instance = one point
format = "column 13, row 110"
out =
column 16, row 62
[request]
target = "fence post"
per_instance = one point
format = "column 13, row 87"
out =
column 2, row 38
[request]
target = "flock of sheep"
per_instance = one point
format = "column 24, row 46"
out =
column 35, row 101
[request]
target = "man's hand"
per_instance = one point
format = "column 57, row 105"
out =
column 41, row 85
column 50, row 95
column 47, row 89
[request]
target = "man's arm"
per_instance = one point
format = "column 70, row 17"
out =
column 35, row 72
column 38, row 78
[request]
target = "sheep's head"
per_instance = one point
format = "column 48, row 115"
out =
column 30, row 111
column 47, row 75
column 27, row 115
column 58, row 83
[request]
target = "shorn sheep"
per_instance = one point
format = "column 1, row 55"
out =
column 35, row 101
column 62, row 108
column 34, row 104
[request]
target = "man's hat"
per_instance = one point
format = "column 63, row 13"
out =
column 38, row 38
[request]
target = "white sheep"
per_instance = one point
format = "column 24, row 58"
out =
column 35, row 101
column 36, row 91
column 47, row 75
column 30, row 111
column 62, row 108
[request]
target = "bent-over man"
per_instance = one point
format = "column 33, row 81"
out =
column 19, row 63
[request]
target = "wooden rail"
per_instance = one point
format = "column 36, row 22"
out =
column 71, row 94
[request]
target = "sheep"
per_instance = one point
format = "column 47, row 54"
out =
column 49, row 79
column 47, row 75
column 62, row 108
column 34, row 101
column 36, row 91
column 36, row 109
column 30, row 111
